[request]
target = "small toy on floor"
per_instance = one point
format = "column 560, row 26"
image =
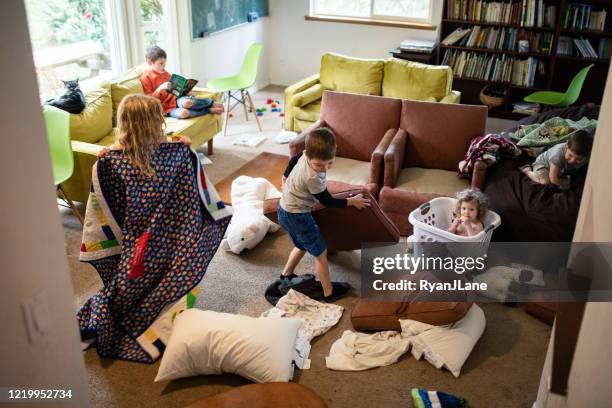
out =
column 422, row 399
column 269, row 101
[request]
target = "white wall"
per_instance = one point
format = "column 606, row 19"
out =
column 296, row 45
column 221, row 54
column 34, row 265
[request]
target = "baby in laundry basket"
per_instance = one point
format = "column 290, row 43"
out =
column 471, row 209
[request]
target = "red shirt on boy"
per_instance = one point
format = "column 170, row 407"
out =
column 151, row 80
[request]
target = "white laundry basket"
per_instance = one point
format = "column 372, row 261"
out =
column 431, row 220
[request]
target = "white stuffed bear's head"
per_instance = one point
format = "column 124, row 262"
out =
column 248, row 235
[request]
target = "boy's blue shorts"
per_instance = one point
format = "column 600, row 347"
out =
column 303, row 231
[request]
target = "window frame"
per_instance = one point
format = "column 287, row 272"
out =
column 372, row 17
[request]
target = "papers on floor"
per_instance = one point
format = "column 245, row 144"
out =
column 203, row 159
column 285, row 136
column 249, row 140
column 526, row 107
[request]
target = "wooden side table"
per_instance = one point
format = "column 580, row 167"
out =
column 415, row 56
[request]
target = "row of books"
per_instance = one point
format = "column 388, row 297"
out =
column 540, row 43
column 583, row 17
column 479, row 66
column 506, row 12
column 526, row 72
column 536, row 13
column 528, row 13
column 501, row 39
column 605, row 48
column 581, row 47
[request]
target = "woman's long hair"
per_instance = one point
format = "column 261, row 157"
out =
column 140, row 129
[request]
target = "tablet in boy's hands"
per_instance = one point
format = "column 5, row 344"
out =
column 181, row 86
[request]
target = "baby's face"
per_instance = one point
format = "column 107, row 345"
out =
column 572, row 158
column 469, row 210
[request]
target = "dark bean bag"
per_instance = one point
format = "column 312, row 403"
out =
column 530, row 211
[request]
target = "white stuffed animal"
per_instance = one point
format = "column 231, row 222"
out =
column 249, row 225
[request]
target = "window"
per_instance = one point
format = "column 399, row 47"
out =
column 71, row 39
column 153, row 22
column 393, row 10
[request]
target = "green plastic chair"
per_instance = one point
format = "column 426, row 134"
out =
column 57, row 123
column 231, row 85
column 561, row 99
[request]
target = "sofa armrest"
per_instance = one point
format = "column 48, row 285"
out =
column 453, row 97
column 394, row 158
column 298, row 144
column 377, row 163
column 308, row 95
column 292, row 90
column 206, row 93
column 479, row 174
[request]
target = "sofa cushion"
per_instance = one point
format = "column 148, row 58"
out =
column 349, row 171
column 96, row 120
column 308, row 112
column 107, row 140
column 126, row 84
column 345, row 74
column 198, row 128
column 369, row 315
column 439, row 134
column 359, row 121
column 412, row 80
column 433, row 181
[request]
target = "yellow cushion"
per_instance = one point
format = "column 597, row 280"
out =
column 107, row 140
column 309, row 112
column 309, row 95
column 199, row 129
column 126, row 84
column 356, row 75
column 350, row 171
column 96, row 120
column 432, row 181
column 412, row 80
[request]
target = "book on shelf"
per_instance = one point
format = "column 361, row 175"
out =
column 456, row 35
column 584, row 17
column 540, row 43
column 584, row 47
column 605, row 46
column 525, row 72
column 425, row 47
column 482, row 66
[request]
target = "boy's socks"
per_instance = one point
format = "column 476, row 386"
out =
column 293, row 275
column 340, row 289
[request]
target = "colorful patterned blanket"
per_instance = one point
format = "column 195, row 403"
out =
column 488, row 149
column 151, row 240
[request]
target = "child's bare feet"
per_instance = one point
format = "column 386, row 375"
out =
column 217, row 108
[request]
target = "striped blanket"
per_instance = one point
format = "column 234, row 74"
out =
column 151, row 240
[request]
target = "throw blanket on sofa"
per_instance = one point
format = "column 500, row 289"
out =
column 536, row 138
column 488, row 149
column 151, row 240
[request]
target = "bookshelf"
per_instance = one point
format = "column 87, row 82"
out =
column 524, row 46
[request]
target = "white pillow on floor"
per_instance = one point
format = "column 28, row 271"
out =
column 446, row 346
column 206, row 342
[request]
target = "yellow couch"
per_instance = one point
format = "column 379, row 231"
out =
column 394, row 78
column 93, row 128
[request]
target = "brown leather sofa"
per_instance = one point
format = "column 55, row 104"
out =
column 421, row 161
column 364, row 126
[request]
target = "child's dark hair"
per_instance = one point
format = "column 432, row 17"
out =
column 581, row 143
column 154, row 53
column 477, row 197
column 321, row 144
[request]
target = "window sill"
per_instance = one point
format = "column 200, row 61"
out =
column 364, row 21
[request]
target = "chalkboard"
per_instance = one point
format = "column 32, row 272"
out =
column 209, row 16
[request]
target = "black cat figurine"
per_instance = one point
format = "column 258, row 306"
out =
column 72, row 100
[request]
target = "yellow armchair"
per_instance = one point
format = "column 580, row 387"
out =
column 392, row 78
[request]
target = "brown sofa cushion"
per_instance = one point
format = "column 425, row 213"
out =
column 367, row 225
column 263, row 396
column 359, row 121
column 374, row 315
column 439, row 134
